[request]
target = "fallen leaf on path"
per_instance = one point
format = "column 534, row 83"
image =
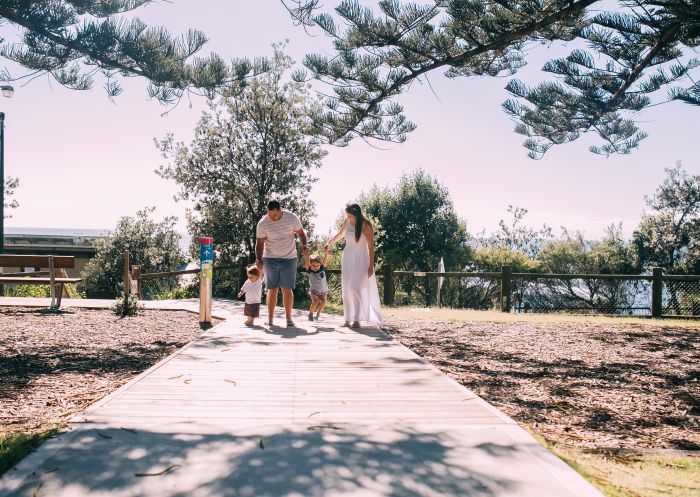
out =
column 231, row 381
column 51, row 471
column 313, row 414
column 103, row 435
column 129, row 430
column 175, row 377
column 320, row 427
column 224, row 350
column 166, row 470
column 36, row 490
column 187, row 381
column 261, row 443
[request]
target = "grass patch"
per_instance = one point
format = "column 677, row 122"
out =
column 15, row 446
column 463, row 315
column 632, row 475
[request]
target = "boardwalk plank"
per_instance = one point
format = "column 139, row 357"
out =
column 316, row 411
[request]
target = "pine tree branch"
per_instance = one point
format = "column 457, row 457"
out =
column 503, row 42
column 70, row 44
column 667, row 35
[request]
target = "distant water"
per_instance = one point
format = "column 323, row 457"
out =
column 56, row 231
column 79, row 232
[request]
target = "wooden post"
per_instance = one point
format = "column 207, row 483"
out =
column 657, row 287
column 388, row 285
column 135, row 276
column 127, row 281
column 506, row 272
column 52, row 278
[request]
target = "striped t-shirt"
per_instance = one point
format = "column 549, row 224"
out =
column 279, row 236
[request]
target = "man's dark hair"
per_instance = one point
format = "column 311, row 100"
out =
column 273, row 205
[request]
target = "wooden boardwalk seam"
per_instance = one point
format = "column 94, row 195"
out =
column 315, row 410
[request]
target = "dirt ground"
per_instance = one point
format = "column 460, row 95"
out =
column 590, row 385
column 54, row 365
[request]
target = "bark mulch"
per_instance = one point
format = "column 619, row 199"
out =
column 585, row 384
column 53, row 365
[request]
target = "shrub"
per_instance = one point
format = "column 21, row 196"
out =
column 154, row 246
column 126, row 306
column 38, row 291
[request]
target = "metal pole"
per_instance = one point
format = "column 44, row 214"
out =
column 2, row 182
column 206, row 273
column 2, row 189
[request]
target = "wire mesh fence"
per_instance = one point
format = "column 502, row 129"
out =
column 466, row 292
column 681, row 296
column 582, row 296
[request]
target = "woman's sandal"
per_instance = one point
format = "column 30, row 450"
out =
column 290, row 323
column 355, row 325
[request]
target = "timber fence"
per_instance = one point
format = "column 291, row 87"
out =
column 655, row 295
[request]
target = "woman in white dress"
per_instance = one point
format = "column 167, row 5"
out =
column 359, row 284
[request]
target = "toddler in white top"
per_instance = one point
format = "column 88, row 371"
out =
column 252, row 288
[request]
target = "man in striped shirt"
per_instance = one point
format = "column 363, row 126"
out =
column 276, row 252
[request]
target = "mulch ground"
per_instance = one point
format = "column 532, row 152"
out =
column 590, row 385
column 53, row 365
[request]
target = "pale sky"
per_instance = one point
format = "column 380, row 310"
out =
column 84, row 161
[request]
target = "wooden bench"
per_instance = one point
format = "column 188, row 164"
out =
column 54, row 263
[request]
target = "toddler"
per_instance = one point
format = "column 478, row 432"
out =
column 318, row 284
column 252, row 288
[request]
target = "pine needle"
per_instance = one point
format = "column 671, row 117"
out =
column 103, row 435
column 231, row 381
column 175, row 377
column 313, row 414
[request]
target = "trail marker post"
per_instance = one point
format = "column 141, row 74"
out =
column 206, row 275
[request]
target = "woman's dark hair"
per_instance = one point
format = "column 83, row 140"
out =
column 360, row 219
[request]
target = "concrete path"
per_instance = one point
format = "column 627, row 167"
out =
column 312, row 411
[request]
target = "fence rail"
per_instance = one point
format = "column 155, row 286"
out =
column 655, row 294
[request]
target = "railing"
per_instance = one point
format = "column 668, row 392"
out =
column 655, row 295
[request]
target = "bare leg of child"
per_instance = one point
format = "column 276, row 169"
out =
column 321, row 305
column 314, row 303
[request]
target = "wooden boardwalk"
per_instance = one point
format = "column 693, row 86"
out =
column 312, row 411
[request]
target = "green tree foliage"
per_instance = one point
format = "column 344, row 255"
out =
column 10, row 202
column 416, row 226
column 252, row 146
column 669, row 235
column 419, row 224
column 152, row 245
column 75, row 40
column 516, row 237
column 575, row 254
column 493, row 258
column 623, row 55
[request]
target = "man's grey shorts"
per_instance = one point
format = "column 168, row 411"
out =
column 280, row 273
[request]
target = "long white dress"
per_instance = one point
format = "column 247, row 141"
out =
column 360, row 292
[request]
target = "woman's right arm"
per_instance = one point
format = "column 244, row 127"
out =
column 337, row 237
